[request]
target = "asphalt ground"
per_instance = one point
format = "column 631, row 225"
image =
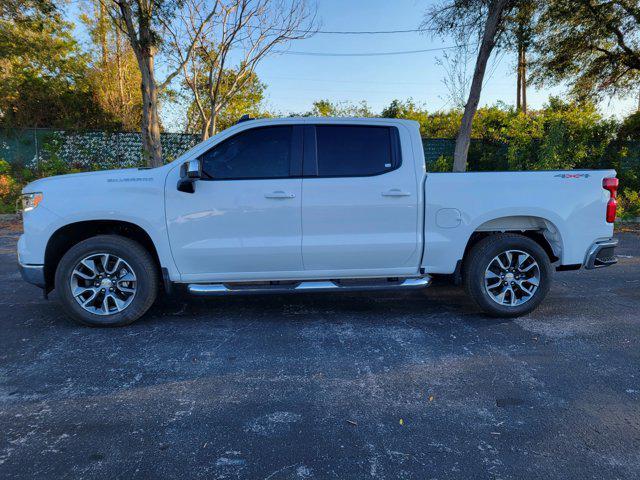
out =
column 345, row 386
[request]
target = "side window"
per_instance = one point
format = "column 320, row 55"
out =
column 351, row 150
column 255, row 153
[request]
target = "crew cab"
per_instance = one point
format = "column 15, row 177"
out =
column 309, row 204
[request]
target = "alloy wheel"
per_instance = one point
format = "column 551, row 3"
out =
column 512, row 278
column 103, row 284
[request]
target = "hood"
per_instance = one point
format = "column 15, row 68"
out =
column 132, row 176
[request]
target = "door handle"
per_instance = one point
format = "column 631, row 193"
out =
column 279, row 194
column 395, row 192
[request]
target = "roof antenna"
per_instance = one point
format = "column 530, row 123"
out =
column 244, row 118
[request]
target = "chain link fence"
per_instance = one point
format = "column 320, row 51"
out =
column 86, row 150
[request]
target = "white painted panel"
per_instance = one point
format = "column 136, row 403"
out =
column 349, row 224
column 231, row 227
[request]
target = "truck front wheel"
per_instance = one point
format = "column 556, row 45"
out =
column 507, row 275
column 106, row 281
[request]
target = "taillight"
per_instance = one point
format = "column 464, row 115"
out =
column 611, row 185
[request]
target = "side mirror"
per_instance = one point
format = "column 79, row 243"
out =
column 189, row 172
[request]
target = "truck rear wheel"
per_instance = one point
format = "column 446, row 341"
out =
column 507, row 275
column 107, row 281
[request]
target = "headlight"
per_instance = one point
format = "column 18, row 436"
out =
column 30, row 200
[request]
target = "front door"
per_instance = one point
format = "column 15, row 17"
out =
column 244, row 220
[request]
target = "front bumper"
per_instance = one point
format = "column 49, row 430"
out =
column 33, row 274
column 601, row 254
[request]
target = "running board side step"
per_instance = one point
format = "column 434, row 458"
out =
column 202, row 289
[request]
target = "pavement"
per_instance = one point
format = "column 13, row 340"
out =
column 413, row 385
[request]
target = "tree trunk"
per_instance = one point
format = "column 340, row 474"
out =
column 488, row 42
column 143, row 46
column 213, row 104
column 102, row 32
column 151, row 146
column 519, row 80
column 524, row 80
column 214, row 124
column 122, row 105
column 204, row 133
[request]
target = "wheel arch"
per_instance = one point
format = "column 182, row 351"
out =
column 68, row 235
column 541, row 230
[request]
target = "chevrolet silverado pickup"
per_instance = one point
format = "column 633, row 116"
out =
column 309, row 204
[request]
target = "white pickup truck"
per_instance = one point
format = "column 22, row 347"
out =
column 309, row 204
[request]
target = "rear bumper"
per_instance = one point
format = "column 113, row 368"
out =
column 601, row 254
column 33, row 274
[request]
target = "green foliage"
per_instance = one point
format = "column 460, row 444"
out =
column 9, row 188
column 247, row 99
column 43, row 73
column 561, row 135
column 592, row 46
column 628, row 204
column 630, row 128
column 326, row 108
column 442, row 164
column 113, row 74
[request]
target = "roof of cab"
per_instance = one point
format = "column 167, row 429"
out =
column 325, row 120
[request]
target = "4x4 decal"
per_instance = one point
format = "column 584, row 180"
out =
column 573, row 175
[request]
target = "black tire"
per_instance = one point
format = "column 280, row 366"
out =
column 483, row 253
column 134, row 254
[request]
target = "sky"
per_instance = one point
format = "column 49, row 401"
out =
column 294, row 81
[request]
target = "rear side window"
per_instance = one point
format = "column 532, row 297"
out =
column 350, row 150
column 255, row 153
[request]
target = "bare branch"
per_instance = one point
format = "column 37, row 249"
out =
column 243, row 33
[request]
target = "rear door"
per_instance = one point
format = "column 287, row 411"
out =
column 359, row 201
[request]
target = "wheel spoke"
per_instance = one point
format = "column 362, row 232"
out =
column 525, row 289
column 126, row 289
column 81, row 290
column 104, row 262
column 115, row 268
column 523, row 258
column 502, row 265
column 105, row 304
column 83, row 275
column 120, row 304
column 526, row 269
column 509, row 256
column 500, row 297
column 127, row 277
column 86, row 301
column 91, row 266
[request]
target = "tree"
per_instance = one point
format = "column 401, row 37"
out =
column 247, row 100
column 145, row 22
column 520, row 37
column 114, row 73
column 466, row 19
column 456, row 69
column 244, row 32
column 326, row 108
column 43, row 73
column 593, row 45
